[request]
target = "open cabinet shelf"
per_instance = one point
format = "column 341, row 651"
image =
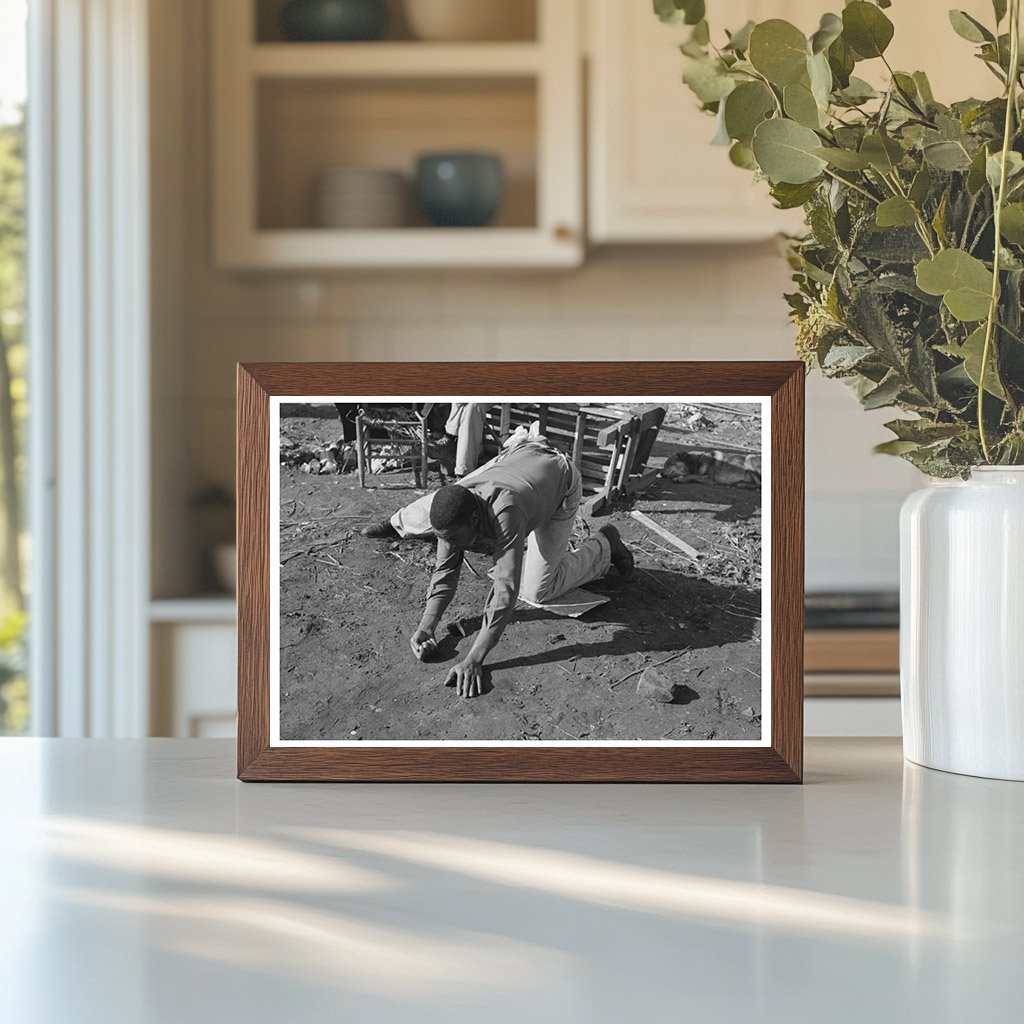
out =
column 287, row 114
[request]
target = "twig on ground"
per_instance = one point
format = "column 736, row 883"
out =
column 566, row 671
column 640, row 671
column 564, row 733
column 739, row 615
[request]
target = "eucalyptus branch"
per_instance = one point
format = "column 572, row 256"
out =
column 1000, row 198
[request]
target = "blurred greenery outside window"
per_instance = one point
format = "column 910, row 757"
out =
column 14, row 694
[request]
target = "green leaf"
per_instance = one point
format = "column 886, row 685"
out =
column 895, row 447
column 785, row 152
column 921, row 185
column 999, row 6
column 946, row 156
column 885, row 394
column 708, row 80
column 924, row 87
column 923, row 431
column 866, row 29
column 739, row 41
column 1012, row 224
column 896, row 212
column 971, row 352
column 830, row 29
column 745, row 108
column 844, row 159
column 742, row 155
column 778, row 50
column 789, row 197
column 820, row 76
column 676, row 12
column 963, row 281
column 800, row 105
column 1014, row 169
column 883, row 153
column 841, row 60
column 701, row 33
column 858, row 91
column 969, row 28
column 976, row 174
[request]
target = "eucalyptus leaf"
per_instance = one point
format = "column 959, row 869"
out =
column 1012, row 223
column 785, row 152
column 972, row 352
column 829, row 30
column 745, row 108
column 946, row 156
column 842, row 61
column 883, row 153
column 739, row 41
column 779, row 51
column 675, row 12
column 844, row 159
column 789, row 197
column 866, row 30
column 741, row 155
column 999, row 7
column 969, row 28
column 895, row 212
column 708, row 81
column 963, row 281
column 800, row 105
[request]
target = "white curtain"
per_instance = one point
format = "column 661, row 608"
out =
column 88, row 318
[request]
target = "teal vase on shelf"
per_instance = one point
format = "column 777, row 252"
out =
column 330, row 21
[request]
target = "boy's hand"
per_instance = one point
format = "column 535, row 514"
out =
column 467, row 677
column 423, row 644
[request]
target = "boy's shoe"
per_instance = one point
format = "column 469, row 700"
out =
column 622, row 557
column 380, row 531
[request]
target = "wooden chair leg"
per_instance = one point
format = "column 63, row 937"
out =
column 360, row 451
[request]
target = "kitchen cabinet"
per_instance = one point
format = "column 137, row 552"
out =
column 653, row 175
column 287, row 113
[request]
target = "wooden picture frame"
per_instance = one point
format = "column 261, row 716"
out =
column 777, row 758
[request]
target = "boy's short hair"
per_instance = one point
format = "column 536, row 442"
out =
column 453, row 505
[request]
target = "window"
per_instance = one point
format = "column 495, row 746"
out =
column 14, row 704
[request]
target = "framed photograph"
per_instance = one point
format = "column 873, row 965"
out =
column 520, row 572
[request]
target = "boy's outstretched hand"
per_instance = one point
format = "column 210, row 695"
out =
column 467, row 677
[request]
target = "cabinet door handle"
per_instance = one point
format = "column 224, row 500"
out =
column 563, row 232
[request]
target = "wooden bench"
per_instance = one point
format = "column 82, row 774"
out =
column 610, row 446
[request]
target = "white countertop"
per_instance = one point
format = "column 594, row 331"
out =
column 142, row 884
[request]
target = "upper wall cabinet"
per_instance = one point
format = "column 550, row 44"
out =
column 317, row 141
column 654, row 175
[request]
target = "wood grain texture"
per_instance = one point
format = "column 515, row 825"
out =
column 782, row 762
column 852, row 650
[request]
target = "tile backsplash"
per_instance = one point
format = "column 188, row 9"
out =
column 719, row 302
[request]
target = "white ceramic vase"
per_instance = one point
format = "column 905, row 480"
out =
column 962, row 624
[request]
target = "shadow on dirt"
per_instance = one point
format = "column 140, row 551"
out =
column 737, row 504
column 659, row 611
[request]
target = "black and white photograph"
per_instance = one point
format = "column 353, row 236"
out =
column 519, row 571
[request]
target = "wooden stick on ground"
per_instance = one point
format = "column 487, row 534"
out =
column 690, row 552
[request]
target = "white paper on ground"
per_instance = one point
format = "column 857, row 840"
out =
column 571, row 605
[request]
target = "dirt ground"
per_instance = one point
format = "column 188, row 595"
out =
column 350, row 604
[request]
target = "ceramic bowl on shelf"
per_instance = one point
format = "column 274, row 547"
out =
column 334, row 21
column 361, row 198
column 469, row 20
column 460, row 189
